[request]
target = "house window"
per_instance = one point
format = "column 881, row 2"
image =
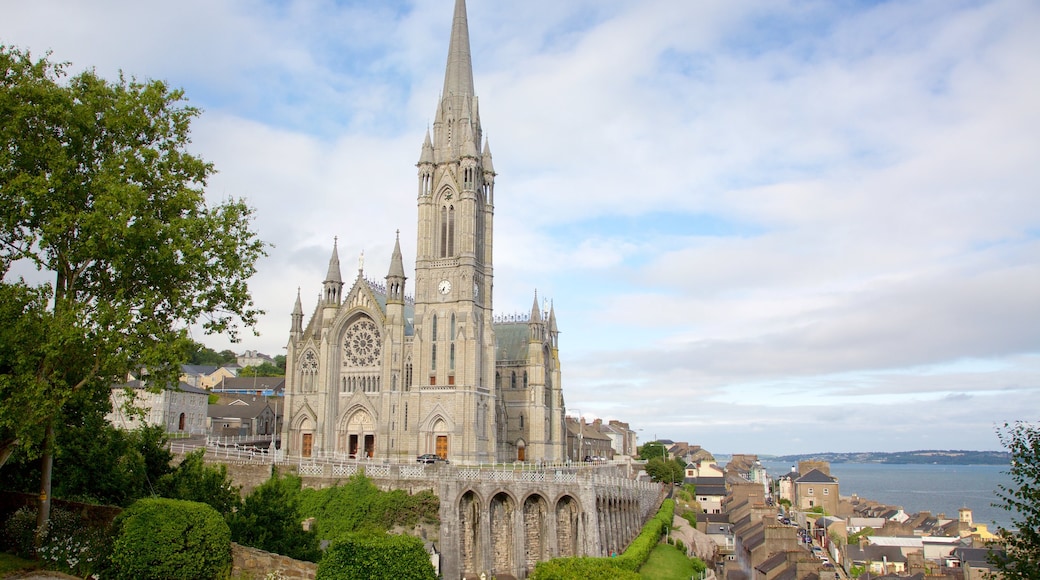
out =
column 826, row 491
column 810, row 491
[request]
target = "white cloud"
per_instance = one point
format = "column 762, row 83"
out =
column 757, row 221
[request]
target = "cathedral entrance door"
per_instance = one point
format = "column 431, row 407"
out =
column 442, row 446
column 370, row 445
column 521, row 453
column 353, row 449
column 308, row 444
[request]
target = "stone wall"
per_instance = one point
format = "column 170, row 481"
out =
column 252, row 564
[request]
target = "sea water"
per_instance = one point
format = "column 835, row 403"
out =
column 939, row 489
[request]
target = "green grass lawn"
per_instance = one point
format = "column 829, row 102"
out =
column 667, row 563
column 12, row 563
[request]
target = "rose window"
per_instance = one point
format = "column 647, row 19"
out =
column 361, row 344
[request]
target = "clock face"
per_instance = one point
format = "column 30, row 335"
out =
column 444, row 286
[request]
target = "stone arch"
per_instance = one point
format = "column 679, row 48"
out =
column 568, row 527
column 502, row 516
column 302, row 434
column 536, row 531
column 435, row 433
column 470, row 540
column 356, row 432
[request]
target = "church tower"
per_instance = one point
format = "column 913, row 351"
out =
column 454, row 344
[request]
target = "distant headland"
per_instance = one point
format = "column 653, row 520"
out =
column 932, row 457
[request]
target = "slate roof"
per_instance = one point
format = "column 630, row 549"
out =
column 181, row 386
column 277, row 384
column 198, row 370
column 511, row 340
column 816, row 476
column 249, row 411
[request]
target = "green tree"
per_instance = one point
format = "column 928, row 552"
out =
column 666, row 470
column 652, row 450
column 97, row 189
column 1021, row 499
column 200, row 354
column 194, row 480
column 265, row 370
column 270, row 520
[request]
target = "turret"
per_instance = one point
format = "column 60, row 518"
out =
column 535, row 322
column 333, row 280
column 395, row 278
column 296, row 330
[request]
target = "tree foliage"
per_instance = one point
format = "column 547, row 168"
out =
column 200, row 354
column 194, row 480
column 97, row 462
column 264, row 370
column 1022, row 500
column 98, row 191
column 666, row 470
column 167, row 539
column 376, row 556
column 652, row 450
column 270, row 520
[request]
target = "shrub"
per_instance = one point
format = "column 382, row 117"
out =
column 168, row 539
column 377, row 557
column 581, row 568
column 20, row 532
column 621, row 567
column 70, row 545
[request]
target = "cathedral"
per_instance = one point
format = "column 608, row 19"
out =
column 375, row 373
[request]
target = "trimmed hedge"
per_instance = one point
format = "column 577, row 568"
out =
column 376, row 557
column 583, row 568
column 626, row 565
column 170, row 539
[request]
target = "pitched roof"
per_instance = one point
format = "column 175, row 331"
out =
column 181, row 386
column 816, row 476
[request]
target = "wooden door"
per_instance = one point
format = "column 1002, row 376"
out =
column 442, row 446
column 308, row 443
column 521, row 453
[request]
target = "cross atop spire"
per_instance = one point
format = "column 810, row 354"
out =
column 458, row 75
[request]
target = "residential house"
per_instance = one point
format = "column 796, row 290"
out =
column 584, row 440
column 816, row 489
column 252, row 358
column 206, row 376
column 177, row 408
column 259, row 386
column 242, row 416
column 709, row 491
column 877, row 559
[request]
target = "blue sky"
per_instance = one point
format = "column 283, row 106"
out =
column 766, row 226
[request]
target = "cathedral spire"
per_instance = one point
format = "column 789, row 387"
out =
column 458, row 75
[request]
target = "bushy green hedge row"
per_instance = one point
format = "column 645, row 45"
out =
column 623, row 567
column 583, row 568
column 376, row 557
column 639, row 550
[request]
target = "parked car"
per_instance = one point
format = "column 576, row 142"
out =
column 430, row 458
